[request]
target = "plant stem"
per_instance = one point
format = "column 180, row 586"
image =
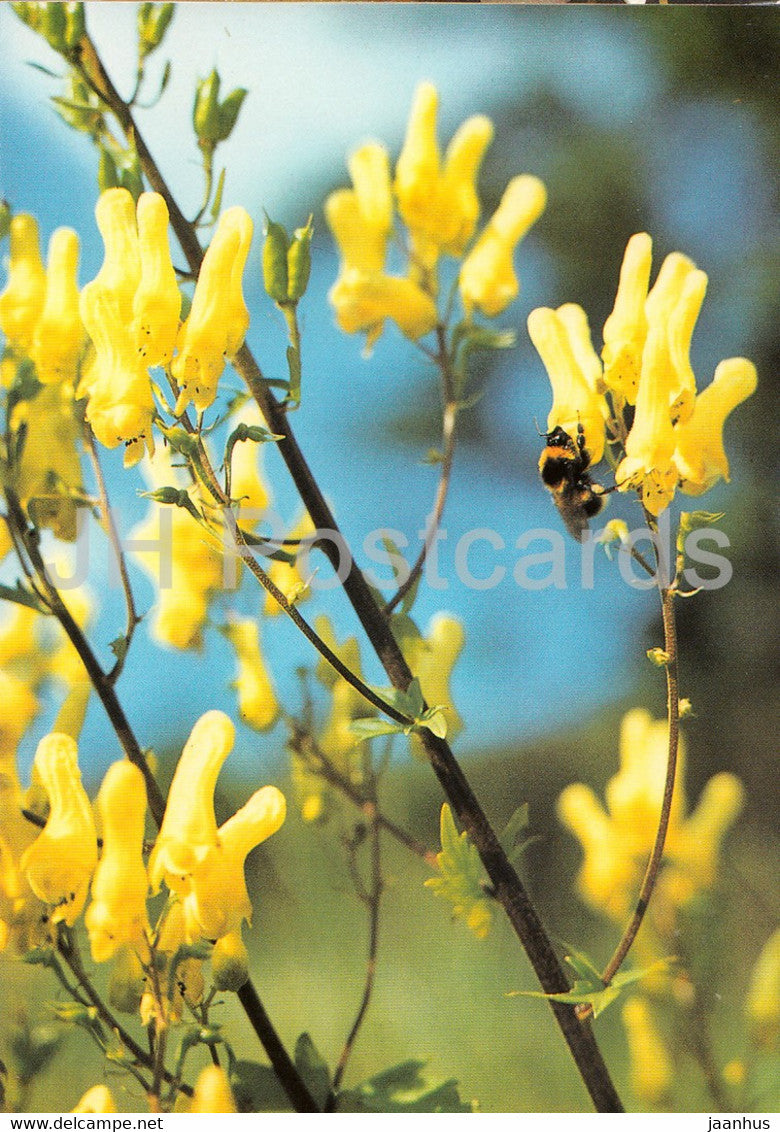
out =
column 654, row 863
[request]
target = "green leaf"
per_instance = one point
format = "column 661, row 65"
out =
column 257, row 1089
column 589, row 988
column 403, row 1088
column 20, row 596
column 436, row 721
column 462, row 878
column 119, row 647
column 313, row 1069
column 370, row 728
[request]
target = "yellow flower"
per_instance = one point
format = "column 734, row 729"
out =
column 21, row 303
column 183, row 558
column 361, row 219
column 626, row 328
column 762, row 1004
column 157, row 302
column 59, row 333
column 647, row 466
column 120, row 405
column 212, row 1092
column 117, row 914
column 20, row 707
column 96, row 1099
column 189, row 830
column 618, row 841
column 49, row 478
column 257, row 701
column 218, row 320
column 61, row 860
column 439, row 206
column 217, row 902
column 652, row 1071
column 562, row 340
column 699, row 455
column 120, row 272
column 487, row 278
column 21, row 913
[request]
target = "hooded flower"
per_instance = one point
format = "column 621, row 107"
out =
column 699, row 456
column 189, row 830
column 626, row 328
column 117, row 914
column 439, row 204
column 257, row 701
column 157, row 301
column 487, row 278
column 59, row 335
column 617, row 841
column 61, row 860
column 652, row 1070
column 218, row 320
column 21, row 303
column 562, row 340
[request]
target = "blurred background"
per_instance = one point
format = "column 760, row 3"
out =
column 636, row 119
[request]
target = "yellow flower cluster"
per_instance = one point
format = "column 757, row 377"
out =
column 617, row 841
column 47, row 875
column 438, row 202
column 676, row 436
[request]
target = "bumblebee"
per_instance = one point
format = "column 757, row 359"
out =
column 563, row 467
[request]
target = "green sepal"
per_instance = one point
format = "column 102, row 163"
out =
column 173, row 497
column 694, row 521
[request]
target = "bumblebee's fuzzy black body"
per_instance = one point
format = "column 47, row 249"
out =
column 563, row 467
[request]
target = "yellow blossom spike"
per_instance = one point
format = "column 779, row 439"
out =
column 59, row 333
column 418, row 166
column 257, row 703
column 157, row 302
column 648, row 466
column 117, row 914
column 219, row 319
column 362, row 240
column 61, row 860
column 96, row 1099
column 607, row 875
column 21, row 303
column 120, row 404
column 487, row 278
column 212, row 1092
column 120, row 272
column 189, row 830
column 369, row 168
column 700, row 457
column 652, row 1071
column 680, row 326
column 626, row 328
column 217, row 902
column 575, row 402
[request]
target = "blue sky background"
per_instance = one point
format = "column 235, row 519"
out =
column 323, row 78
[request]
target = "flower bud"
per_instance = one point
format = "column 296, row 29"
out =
column 205, row 112
column 275, row 252
column 153, row 21
column 212, row 1092
column 299, row 262
column 230, row 962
